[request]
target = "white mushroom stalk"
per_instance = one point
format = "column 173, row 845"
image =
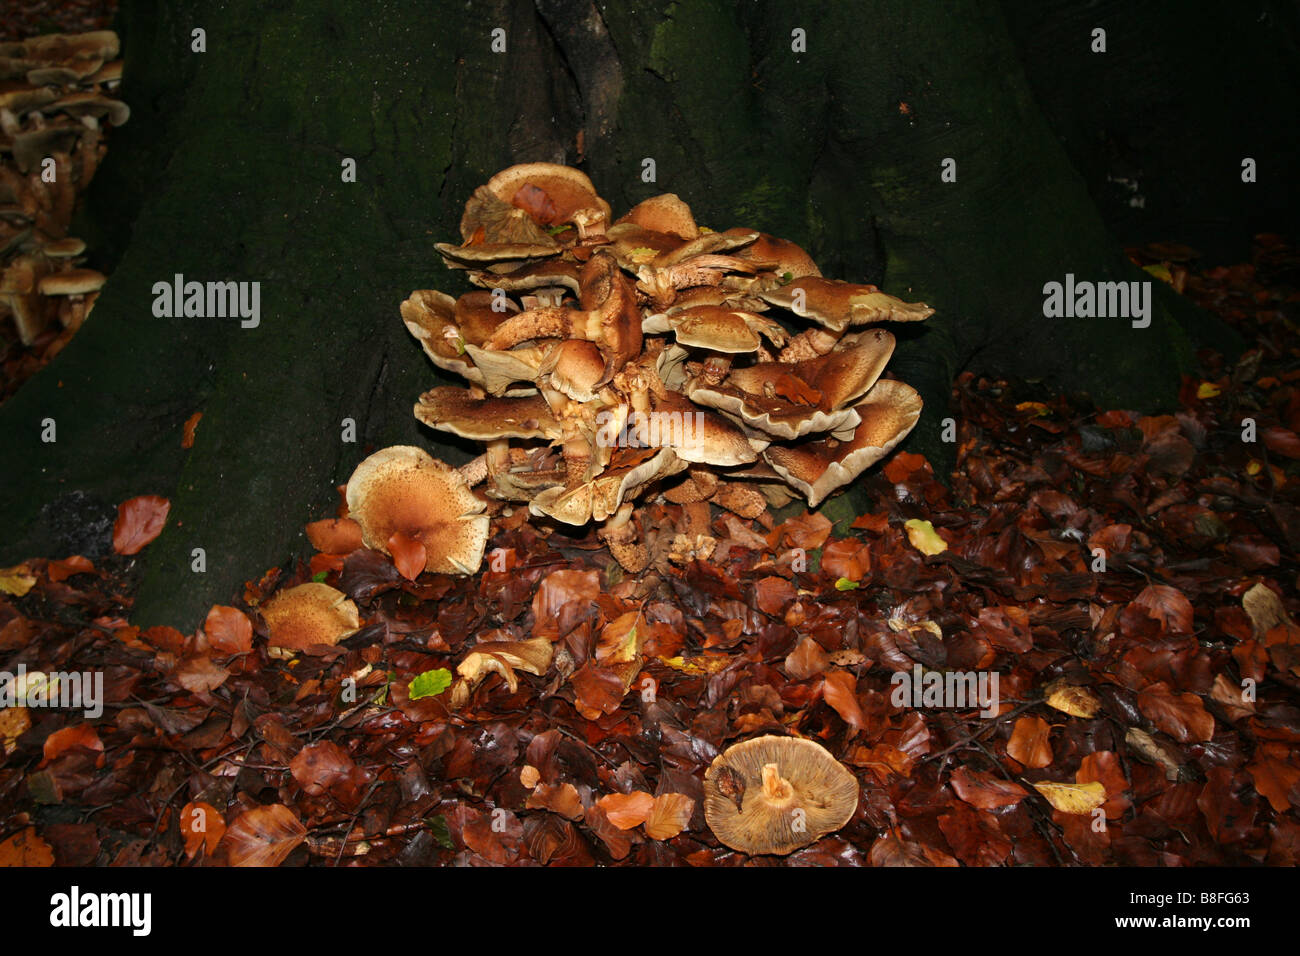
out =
column 613, row 354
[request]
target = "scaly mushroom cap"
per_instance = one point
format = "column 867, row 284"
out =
column 890, row 410
column 309, row 614
column 455, row 410
column 786, row 257
column 552, row 195
column 403, row 489
column 776, row 795
column 700, row 436
column 838, row 305
column 431, row 317
column 575, row 368
column 664, row 214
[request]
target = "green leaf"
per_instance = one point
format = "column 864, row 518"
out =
column 439, row 830
column 844, row 584
column 319, row 576
column 556, row 230
column 430, row 683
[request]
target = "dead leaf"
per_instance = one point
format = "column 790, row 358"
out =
column 670, row 815
column 409, row 554
column 1030, row 743
column 202, row 826
column 1073, row 798
column 26, row 848
column 228, row 629
column 263, row 836
column 985, row 791
column 139, row 521
column 627, row 810
column 1181, row 716
column 62, row 570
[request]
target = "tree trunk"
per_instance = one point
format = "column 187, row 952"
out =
column 230, row 169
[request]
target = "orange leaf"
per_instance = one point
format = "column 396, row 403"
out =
column 808, row 531
column 1181, row 716
column 902, row 465
column 334, row 535
column 1168, row 606
column 202, row 826
column 80, row 735
column 1029, row 743
column 139, row 521
column 1275, row 780
column 840, row 690
column 61, row 570
column 229, row 630
column 985, row 791
column 26, row 848
column 191, row 423
column 562, row 799
column 409, row 555
column 264, row 836
column 847, row 558
column 199, row 675
column 627, row 810
column 669, row 816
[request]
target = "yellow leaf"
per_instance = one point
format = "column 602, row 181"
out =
column 1208, row 390
column 1037, row 407
column 1254, row 467
column 14, row 722
column 1076, row 798
column 1072, row 699
column 1160, row 272
column 17, row 580
column 697, row 666
column 924, row 538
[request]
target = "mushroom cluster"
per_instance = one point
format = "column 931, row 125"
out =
column 56, row 95
column 609, row 357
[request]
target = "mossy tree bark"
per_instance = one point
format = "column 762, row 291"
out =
column 231, row 170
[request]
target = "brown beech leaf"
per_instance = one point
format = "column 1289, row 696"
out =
column 563, row 599
column 534, row 201
column 319, row 766
column 773, row 594
column 1281, row 440
column 263, row 836
column 334, row 535
column 840, row 690
column 26, row 848
column 808, row 659
column 808, row 531
column 562, row 799
column 78, row 735
column 627, row 810
column 1168, row 606
column 1102, row 766
column 62, row 570
column 669, row 816
column 1181, row 716
column 889, row 850
column 1007, row 627
column 1029, row 743
column 847, row 558
column 199, row 675
column 229, row 630
column 139, row 521
column 202, row 826
column 985, row 791
column 409, row 554
column 1275, row 780
column 187, row 432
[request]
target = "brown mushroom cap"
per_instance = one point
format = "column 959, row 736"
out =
column 404, row 489
column 64, row 248
column 92, row 104
column 499, row 221
column 430, row 316
column 837, row 305
column 568, row 191
column 309, row 614
column 777, row 794
column 72, row 282
column 665, row 214
column 575, row 368
column 455, row 410
column 786, row 257
column 701, row 436
column 890, row 410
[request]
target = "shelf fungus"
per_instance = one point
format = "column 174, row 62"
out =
column 608, row 360
column 774, row 795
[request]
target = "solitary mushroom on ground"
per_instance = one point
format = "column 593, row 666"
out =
column 307, row 615
column 776, row 795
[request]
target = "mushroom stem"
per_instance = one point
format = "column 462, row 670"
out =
column 619, row 533
column 776, row 789
column 474, row 470
column 577, row 461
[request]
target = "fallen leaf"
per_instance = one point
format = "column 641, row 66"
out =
column 840, row 690
column 1074, row 798
column 923, row 537
column 1181, row 716
column 1275, row 780
column 1072, row 699
column 187, row 433
column 409, row 554
column 139, row 521
column 26, row 848
column 669, row 816
column 78, row 735
column 263, row 836
column 199, row 675
column 985, row 791
column 202, row 826
column 1029, row 743
column 17, row 580
column 627, row 810
column 228, row 629
column 62, row 570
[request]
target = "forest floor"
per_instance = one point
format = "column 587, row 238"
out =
column 1130, row 579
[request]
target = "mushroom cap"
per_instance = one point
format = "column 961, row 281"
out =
column 635, row 246
column 567, row 191
column 20, row 98
column 430, row 316
column 500, row 371
column 719, row 330
column 786, row 256
column 72, row 282
column 311, row 613
column 890, row 410
column 666, row 214
column 64, row 248
column 701, row 436
column 55, row 47
column 403, row 488
column 532, row 275
column 576, row 368
column 837, row 305
column 499, row 221
column 475, row 257
column 819, row 786
column 92, row 104
column 455, row 410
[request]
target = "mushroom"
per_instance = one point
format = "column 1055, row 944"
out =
column 553, row 195
column 307, row 615
column 890, row 410
column 79, row 287
column 664, row 214
column 783, row 257
column 838, row 305
column 777, row 794
column 402, row 488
